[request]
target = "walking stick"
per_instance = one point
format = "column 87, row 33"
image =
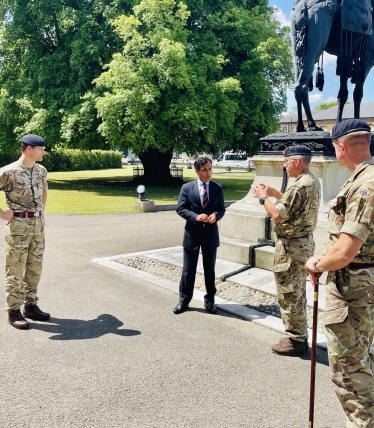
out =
column 313, row 354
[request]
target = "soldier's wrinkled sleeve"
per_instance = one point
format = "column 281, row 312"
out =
column 359, row 214
column 45, row 183
column 290, row 203
column 4, row 179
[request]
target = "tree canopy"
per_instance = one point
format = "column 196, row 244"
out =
column 150, row 75
column 50, row 52
column 325, row 106
column 195, row 76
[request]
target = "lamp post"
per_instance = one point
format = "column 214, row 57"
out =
column 142, row 192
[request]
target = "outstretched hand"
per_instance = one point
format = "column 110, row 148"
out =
column 259, row 190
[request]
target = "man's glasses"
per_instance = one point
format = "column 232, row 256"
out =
column 288, row 160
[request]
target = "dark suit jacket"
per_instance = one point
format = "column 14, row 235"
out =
column 189, row 207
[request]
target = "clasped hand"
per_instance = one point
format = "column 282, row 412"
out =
column 6, row 215
column 312, row 271
column 205, row 218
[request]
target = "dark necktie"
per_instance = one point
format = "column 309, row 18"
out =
column 205, row 197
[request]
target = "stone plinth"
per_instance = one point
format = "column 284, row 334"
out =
column 145, row 206
column 243, row 223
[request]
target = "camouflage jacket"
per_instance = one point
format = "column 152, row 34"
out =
column 23, row 189
column 352, row 211
column 299, row 206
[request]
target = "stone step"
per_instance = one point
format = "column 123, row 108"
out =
column 264, row 257
column 237, row 250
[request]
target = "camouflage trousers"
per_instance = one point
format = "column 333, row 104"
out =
column 349, row 327
column 290, row 278
column 24, row 248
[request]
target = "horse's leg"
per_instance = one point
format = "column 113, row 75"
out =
column 357, row 98
column 301, row 93
column 314, row 39
column 359, row 87
column 342, row 97
column 300, row 124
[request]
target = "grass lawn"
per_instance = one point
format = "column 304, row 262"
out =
column 109, row 191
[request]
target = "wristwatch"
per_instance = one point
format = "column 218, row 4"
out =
column 315, row 266
column 262, row 200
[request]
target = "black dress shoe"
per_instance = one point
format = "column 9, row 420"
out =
column 180, row 308
column 210, row 307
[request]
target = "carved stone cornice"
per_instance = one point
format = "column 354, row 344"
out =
column 319, row 142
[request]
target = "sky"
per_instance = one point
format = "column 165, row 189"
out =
column 331, row 87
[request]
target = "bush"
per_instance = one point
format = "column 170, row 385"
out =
column 72, row 159
column 79, row 160
column 7, row 158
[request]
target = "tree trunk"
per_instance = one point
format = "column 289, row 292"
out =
column 156, row 167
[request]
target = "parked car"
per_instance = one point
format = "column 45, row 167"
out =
column 124, row 160
column 234, row 159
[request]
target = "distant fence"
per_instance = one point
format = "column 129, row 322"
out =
column 137, row 171
column 175, row 171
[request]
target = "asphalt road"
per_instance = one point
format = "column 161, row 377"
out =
column 115, row 355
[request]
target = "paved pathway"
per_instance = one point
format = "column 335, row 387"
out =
column 115, row 356
column 250, row 294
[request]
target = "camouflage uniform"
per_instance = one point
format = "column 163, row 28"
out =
column 349, row 310
column 298, row 208
column 24, row 237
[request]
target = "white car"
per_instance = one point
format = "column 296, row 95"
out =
column 124, row 160
column 234, row 159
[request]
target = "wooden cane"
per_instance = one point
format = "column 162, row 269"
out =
column 313, row 355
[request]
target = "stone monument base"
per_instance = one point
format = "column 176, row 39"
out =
column 244, row 222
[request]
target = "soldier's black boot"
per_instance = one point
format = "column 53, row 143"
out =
column 35, row 313
column 16, row 319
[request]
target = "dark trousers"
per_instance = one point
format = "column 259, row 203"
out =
column 187, row 282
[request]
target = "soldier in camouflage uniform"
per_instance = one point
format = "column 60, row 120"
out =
column 295, row 215
column 24, row 183
column 349, row 260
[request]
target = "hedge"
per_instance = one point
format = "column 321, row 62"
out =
column 73, row 159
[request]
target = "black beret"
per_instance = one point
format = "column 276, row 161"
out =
column 33, row 140
column 348, row 126
column 297, row 150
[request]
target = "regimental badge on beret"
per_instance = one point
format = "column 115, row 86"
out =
column 297, row 150
column 348, row 126
column 33, row 140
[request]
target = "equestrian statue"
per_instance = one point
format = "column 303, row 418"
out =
column 343, row 28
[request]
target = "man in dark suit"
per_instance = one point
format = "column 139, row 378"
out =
column 201, row 204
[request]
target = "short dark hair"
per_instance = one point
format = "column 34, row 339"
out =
column 201, row 161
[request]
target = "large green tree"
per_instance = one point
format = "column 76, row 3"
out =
column 50, row 51
column 195, row 76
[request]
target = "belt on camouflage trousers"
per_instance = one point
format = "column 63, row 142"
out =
column 25, row 214
column 293, row 237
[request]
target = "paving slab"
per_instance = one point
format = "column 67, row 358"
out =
column 255, row 279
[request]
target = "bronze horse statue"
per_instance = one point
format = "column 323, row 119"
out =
column 336, row 27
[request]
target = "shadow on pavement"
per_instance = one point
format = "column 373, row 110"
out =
column 205, row 312
column 73, row 329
